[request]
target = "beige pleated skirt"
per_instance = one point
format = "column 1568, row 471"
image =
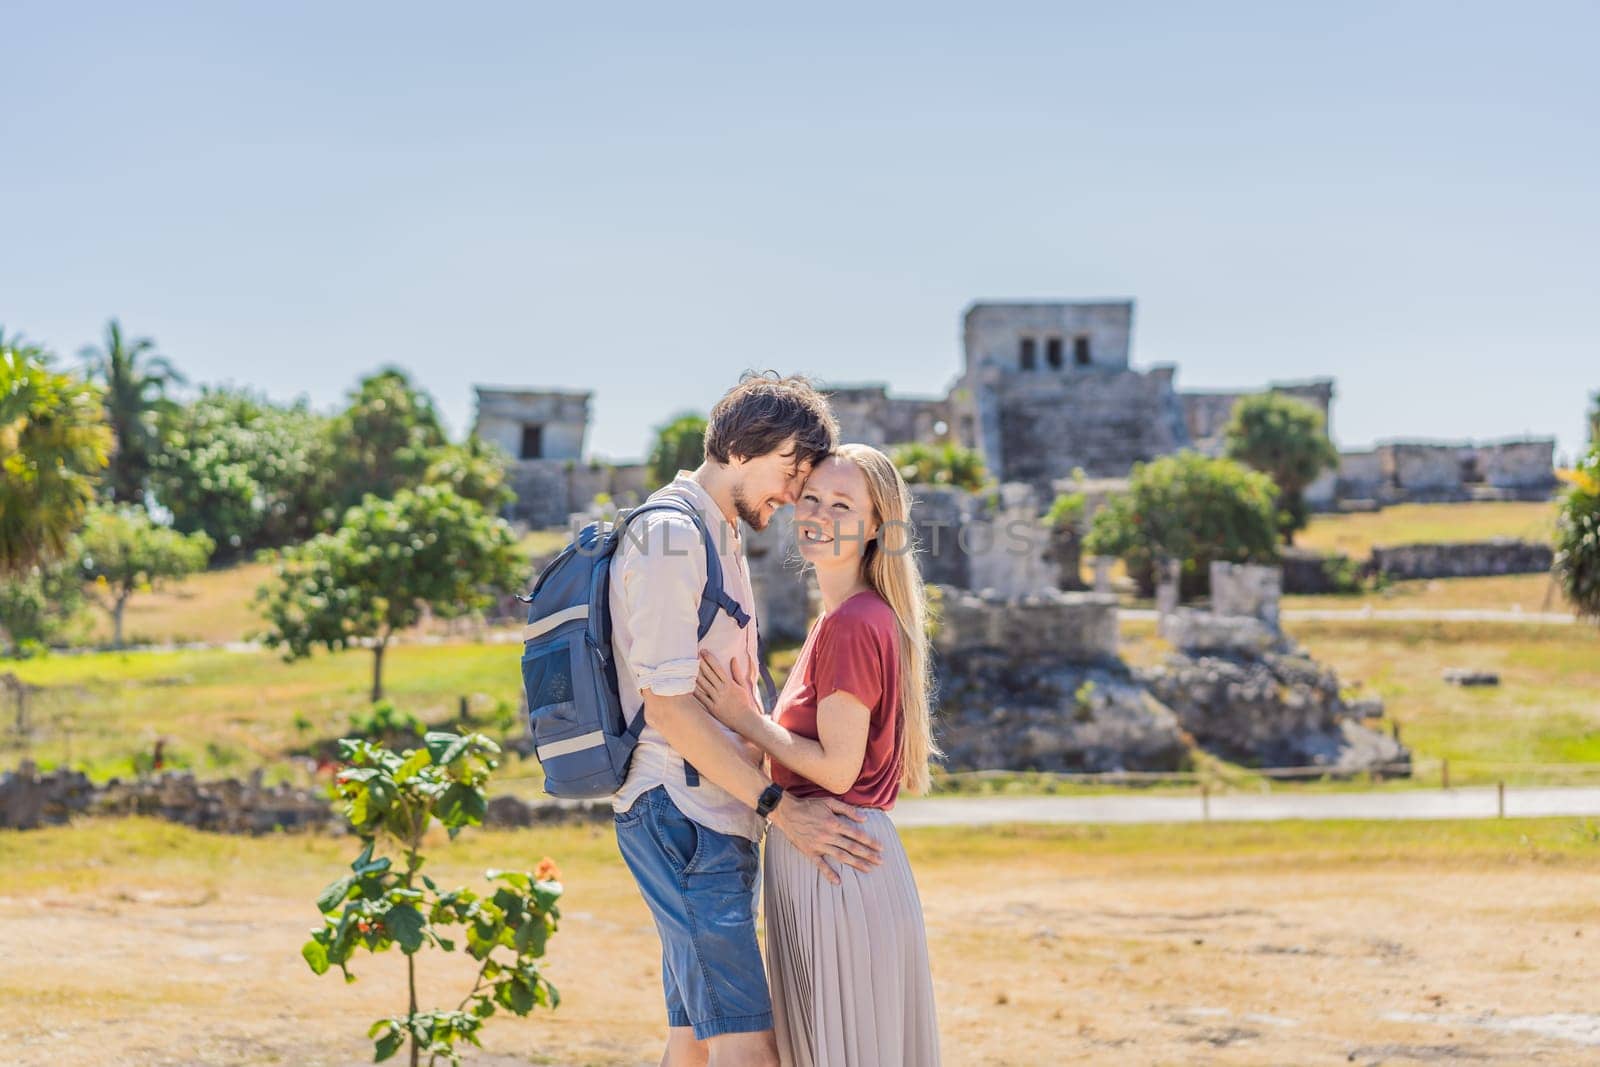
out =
column 848, row 964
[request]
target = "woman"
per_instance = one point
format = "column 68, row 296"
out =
column 848, row 963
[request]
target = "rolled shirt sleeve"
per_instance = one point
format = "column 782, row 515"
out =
column 663, row 573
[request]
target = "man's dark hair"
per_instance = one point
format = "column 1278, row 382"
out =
column 762, row 412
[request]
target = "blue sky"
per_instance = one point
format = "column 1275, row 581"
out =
column 643, row 200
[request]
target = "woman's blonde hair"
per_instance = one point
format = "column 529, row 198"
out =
column 889, row 564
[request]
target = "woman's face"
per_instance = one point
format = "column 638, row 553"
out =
column 833, row 517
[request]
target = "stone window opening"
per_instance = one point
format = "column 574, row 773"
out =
column 1052, row 353
column 1080, row 350
column 1029, row 353
column 532, row 441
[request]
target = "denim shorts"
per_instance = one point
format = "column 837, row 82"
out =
column 700, row 886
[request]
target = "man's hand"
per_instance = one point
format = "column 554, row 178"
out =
column 819, row 828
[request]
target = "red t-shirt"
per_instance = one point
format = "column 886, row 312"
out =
column 855, row 648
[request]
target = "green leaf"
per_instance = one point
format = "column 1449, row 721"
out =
column 520, row 998
column 460, row 805
column 520, row 879
column 388, row 1045
column 316, row 955
column 414, row 763
column 377, row 866
column 531, row 936
column 365, row 857
column 438, row 743
column 334, row 894
column 404, row 923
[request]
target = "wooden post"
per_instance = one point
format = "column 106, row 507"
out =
column 1446, row 774
column 462, row 714
column 1500, row 791
column 1205, row 802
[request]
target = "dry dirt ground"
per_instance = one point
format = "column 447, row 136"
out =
column 135, row 942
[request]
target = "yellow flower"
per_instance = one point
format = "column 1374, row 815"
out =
column 1582, row 479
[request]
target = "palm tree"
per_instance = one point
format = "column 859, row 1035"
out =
column 136, row 382
column 53, row 446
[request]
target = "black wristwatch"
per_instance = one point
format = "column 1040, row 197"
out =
column 769, row 800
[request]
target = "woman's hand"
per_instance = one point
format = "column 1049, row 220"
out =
column 725, row 693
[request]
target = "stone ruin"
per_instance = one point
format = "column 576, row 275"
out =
column 543, row 431
column 1035, row 683
column 1247, row 693
column 29, row 799
column 1047, row 392
column 1402, row 471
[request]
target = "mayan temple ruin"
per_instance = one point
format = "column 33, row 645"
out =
column 1046, row 389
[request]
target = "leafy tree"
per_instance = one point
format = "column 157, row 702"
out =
column 125, row 552
column 250, row 473
column 37, row 605
column 426, row 549
column 680, row 445
column 1594, row 420
column 1286, row 439
column 948, row 464
column 386, row 901
column 54, row 445
column 475, row 470
column 135, row 385
column 1577, row 542
column 386, row 439
column 1191, row 508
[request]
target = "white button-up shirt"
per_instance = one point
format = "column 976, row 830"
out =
column 657, row 576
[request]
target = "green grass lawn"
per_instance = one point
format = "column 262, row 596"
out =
column 1533, row 593
column 226, row 711
column 1356, row 532
column 1544, row 714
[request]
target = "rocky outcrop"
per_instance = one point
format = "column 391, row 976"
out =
column 1275, row 708
column 997, row 710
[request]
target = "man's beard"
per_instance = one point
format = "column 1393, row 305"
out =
column 756, row 520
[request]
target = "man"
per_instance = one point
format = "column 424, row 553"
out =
column 690, row 816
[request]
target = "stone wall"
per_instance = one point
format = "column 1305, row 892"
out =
column 868, row 415
column 543, row 497
column 1464, row 559
column 992, row 334
column 1102, row 422
column 1362, row 475
column 550, row 491
column 1246, row 589
column 1528, row 464
column 561, row 416
column 994, row 542
column 1206, row 413
column 1421, row 470
column 1048, row 625
column 29, row 799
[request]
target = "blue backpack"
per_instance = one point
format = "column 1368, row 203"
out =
column 574, row 711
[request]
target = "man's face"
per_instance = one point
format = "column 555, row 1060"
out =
column 766, row 483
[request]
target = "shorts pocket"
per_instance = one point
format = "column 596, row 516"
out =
column 679, row 836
